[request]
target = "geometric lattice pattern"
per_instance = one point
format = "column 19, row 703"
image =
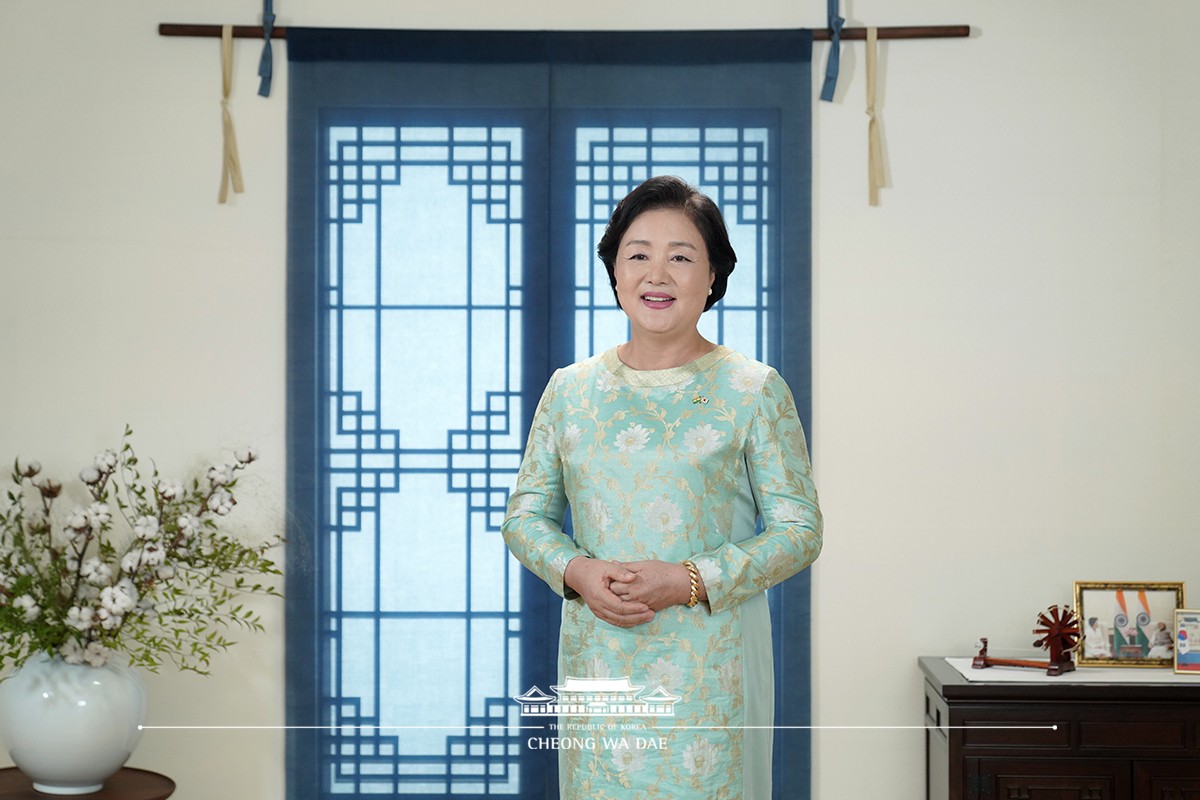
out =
column 729, row 164
column 421, row 446
column 423, row 304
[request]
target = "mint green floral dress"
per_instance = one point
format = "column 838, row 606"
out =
column 670, row 464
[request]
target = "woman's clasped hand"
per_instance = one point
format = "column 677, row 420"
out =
column 628, row 593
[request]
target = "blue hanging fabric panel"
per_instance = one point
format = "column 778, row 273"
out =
column 454, row 181
column 835, row 51
column 264, row 62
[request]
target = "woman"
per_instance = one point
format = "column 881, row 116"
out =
column 666, row 448
column 1096, row 641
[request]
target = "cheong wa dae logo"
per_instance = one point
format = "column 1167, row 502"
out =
column 595, row 697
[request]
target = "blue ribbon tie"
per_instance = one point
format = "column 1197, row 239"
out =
column 835, row 51
column 264, row 63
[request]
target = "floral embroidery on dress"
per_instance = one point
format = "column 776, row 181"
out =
column 599, row 668
column 710, row 571
column 605, row 380
column 679, row 387
column 729, row 676
column 663, row 516
column 700, row 757
column 747, row 379
column 779, row 563
column 788, row 509
column 633, row 438
column 627, row 754
column 572, row 436
column 597, row 514
column 522, row 505
column 664, row 673
column 703, row 440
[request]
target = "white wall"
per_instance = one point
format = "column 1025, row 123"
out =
column 1007, row 367
column 1007, row 359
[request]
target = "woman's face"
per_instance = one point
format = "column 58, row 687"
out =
column 663, row 275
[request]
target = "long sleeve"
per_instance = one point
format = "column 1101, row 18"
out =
column 781, row 478
column 533, row 526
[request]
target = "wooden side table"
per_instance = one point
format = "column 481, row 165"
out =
column 993, row 740
column 128, row 784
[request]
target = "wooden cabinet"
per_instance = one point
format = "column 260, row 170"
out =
column 1058, row 739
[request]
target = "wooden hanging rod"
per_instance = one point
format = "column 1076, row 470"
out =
column 820, row 34
column 910, row 32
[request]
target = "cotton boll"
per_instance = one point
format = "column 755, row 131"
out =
column 108, row 619
column 78, row 520
column 81, row 618
column 189, row 525
column 71, row 652
column 29, row 606
column 145, row 528
column 95, row 572
column 221, row 502
column 131, row 561
column 119, row 599
column 220, row 475
column 153, row 555
column 98, row 515
column 96, row 654
column 106, row 461
column 170, row 491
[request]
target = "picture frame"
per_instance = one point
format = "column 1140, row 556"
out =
column 1127, row 624
column 1187, row 641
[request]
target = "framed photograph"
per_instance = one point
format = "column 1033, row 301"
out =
column 1127, row 624
column 1187, row 641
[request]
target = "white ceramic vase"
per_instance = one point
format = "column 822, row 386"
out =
column 70, row 726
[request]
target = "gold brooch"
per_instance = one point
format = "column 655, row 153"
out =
column 699, row 398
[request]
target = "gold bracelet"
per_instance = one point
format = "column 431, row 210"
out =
column 694, row 577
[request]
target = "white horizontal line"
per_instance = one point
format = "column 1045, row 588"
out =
column 881, row 727
column 334, row 727
column 543, row 727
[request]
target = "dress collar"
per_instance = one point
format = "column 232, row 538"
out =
column 672, row 376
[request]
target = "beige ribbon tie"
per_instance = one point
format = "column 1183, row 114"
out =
column 231, row 166
column 874, row 137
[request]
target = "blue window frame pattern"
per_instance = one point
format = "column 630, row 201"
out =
column 729, row 164
column 422, row 443
column 423, row 247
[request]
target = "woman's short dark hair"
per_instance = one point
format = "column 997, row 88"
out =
column 668, row 191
